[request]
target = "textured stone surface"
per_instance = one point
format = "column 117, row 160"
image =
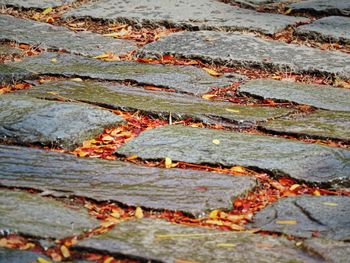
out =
column 320, row 124
column 161, row 241
column 202, row 14
column 328, row 29
column 19, row 256
column 248, row 50
column 181, row 78
column 194, row 192
column 56, row 38
column 26, row 120
column 308, row 162
column 328, row 216
column 33, row 215
column 41, row 4
column 161, row 104
column 6, row 50
column 329, row 7
column 329, row 250
column 9, row 74
column 314, row 95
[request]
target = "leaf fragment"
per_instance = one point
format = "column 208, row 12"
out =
column 226, row 245
column 212, row 72
column 232, row 110
column 216, row 141
column 65, row 251
column 47, row 11
column 329, row 204
column 294, row 186
column 138, row 213
column 42, row 260
column 238, row 169
column 168, row 162
column 286, row 222
column 214, row 214
column 208, row 96
column 108, row 260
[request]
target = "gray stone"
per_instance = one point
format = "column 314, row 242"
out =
column 26, row 120
column 320, row 124
column 33, row 215
column 9, row 74
column 193, row 14
column 257, row 3
column 314, row 95
column 160, row 241
column 59, row 38
column 193, row 192
column 329, row 250
column 306, row 162
column 186, row 79
column 235, row 49
column 160, row 104
column 324, row 216
column 327, row 29
column 6, row 50
column 40, row 4
column 328, row 7
column 19, row 256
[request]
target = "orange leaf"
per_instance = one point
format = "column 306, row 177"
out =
column 286, row 222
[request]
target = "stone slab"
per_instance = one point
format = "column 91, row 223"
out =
column 325, row 216
column 193, row 14
column 324, row 7
column 329, row 250
column 320, row 124
column 25, row 120
column 19, row 256
column 235, row 49
column 35, row 216
column 6, row 50
column 38, row 4
column 187, row 79
column 160, row 104
column 327, row 29
column 193, row 192
column 160, row 241
column 59, row 38
column 312, row 163
column 314, row 95
column 9, row 74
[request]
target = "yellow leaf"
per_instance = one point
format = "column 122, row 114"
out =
column 168, row 162
column 54, row 60
column 286, row 222
column 76, row 79
column 232, row 110
column 216, row 141
column 41, row 260
column 65, row 251
column 329, row 203
column 317, row 193
column 212, row 72
column 226, row 245
column 114, row 34
column 81, row 153
column 115, row 214
column 235, row 227
column 47, row 11
column 294, row 186
column 104, row 55
column 138, row 213
column 107, row 224
column 214, row 214
column 132, row 157
column 208, row 96
column 108, row 260
column 215, row 222
column 288, row 11
column 237, row 169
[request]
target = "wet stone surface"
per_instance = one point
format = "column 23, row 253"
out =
column 307, row 162
column 193, row 192
column 195, row 14
column 329, row 250
column 320, row 124
column 160, row 104
column 59, row 38
column 327, row 7
column 25, row 120
column 9, row 74
column 234, row 49
column 33, row 215
column 41, row 4
column 328, row 29
column 186, row 79
column 314, row 95
column 160, row 241
column 324, row 216
column 19, row 256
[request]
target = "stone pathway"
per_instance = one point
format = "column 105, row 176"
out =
column 226, row 141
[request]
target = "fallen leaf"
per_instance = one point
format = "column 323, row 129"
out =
column 289, row 10
column 65, row 251
column 214, row 214
column 286, row 222
column 138, row 213
column 316, row 193
column 168, row 162
column 76, row 79
column 232, row 110
column 294, row 186
column 54, row 60
column 216, row 141
column 329, row 203
column 212, row 72
column 47, row 11
column 132, row 157
column 108, row 260
column 42, row 260
column 208, row 96
column 226, row 245
column 238, row 169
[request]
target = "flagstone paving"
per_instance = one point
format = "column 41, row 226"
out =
column 59, row 38
column 319, row 124
column 314, row 95
column 306, row 216
column 236, row 49
column 195, row 14
column 42, row 4
column 160, row 241
column 328, row 29
column 193, row 192
column 26, row 120
column 6, row 50
column 162, row 104
column 324, row 7
column 186, row 79
column 307, row 162
column 33, row 215
column 19, row 256
column 9, row 74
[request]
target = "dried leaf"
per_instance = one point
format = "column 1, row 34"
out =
column 138, row 213
column 316, row 193
column 286, row 222
column 208, row 96
column 65, row 251
column 329, row 203
column 232, row 110
column 168, row 162
column 47, row 11
column 216, row 141
column 42, row 260
column 238, row 169
column 294, row 186
column 212, row 72
column 214, row 214
column 289, row 10
column 226, row 245
column 54, row 60
column 108, row 260
column 132, row 157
